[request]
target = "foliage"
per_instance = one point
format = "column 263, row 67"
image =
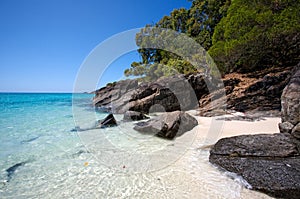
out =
column 257, row 34
column 198, row 22
column 240, row 35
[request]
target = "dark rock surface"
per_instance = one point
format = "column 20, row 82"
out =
column 113, row 93
column 285, row 127
column 257, row 92
column 179, row 92
column 168, row 125
column 108, row 121
column 12, row 170
column 246, row 118
column 296, row 131
column 269, row 163
column 134, row 116
column 261, row 145
column 290, row 101
column 244, row 92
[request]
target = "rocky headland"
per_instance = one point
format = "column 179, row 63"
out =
column 269, row 163
column 251, row 92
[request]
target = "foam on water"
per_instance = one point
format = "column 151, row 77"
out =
column 102, row 163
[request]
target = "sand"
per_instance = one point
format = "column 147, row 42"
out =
column 157, row 168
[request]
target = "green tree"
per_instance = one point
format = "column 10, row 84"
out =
column 257, row 34
column 197, row 22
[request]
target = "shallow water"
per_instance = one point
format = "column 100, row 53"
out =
column 102, row 163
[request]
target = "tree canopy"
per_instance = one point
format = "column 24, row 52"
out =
column 240, row 35
column 257, row 34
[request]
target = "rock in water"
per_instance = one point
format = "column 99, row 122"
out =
column 290, row 103
column 134, row 116
column 11, row 170
column 168, row 125
column 269, row 163
column 109, row 121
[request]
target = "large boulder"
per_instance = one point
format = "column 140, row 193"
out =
column 134, row 116
column 290, row 102
column 168, row 125
column 269, row 163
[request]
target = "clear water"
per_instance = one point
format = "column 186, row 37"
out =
column 117, row 162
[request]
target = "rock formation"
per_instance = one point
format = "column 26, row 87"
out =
column 290, row 102
column 269, row 163
column 108, row 121
column 168, row 125
column 134, row 116
column 252, row 93
column 244, row 92
column 179, row 92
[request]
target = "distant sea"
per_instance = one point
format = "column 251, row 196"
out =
column 43, row 156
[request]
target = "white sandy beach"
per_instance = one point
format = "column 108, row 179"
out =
column 216, row 184
column 174, row 169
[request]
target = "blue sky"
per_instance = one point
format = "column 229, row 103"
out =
column 44, row 42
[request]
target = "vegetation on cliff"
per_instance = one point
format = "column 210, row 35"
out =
column 240, row 35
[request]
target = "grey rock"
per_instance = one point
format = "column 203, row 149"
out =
column 264, row 95
column 296, row 131
column 290, row 102
column 152, row 126
column 108, row 121
column 179, row 92
column 269, row 163
column 262, row 145
column 290, row 99
column 134, row 116
column 112, row 92
column 279, row 178
column 285, row 127
column 168, row 125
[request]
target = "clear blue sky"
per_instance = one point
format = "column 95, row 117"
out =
column 44, row 42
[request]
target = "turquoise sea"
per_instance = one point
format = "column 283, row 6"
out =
column 42, row 156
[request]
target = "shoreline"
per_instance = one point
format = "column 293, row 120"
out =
column 201, row 147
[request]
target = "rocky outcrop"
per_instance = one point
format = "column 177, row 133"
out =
column 257, row 92
column 244, row 92
column 290, row 102
column 168, row 125
column 180, row 92
column 118, row 92
column 134, row 116
column 269, row 163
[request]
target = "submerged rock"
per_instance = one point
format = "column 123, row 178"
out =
column 11, row 170
column 168, row 125
column 269, row 163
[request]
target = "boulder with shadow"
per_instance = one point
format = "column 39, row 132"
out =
column 168, row 125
